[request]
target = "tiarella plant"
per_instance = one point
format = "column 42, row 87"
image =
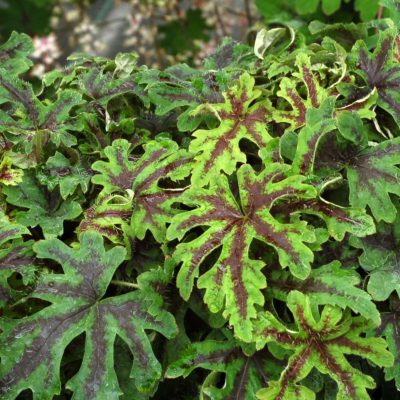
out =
column 230, row 232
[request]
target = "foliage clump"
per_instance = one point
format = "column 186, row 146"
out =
column 241, row 219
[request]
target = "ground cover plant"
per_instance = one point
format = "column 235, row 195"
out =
column 229, row 232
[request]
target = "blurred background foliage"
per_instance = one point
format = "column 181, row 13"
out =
column 163, row 32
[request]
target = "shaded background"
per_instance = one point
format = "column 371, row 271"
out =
column 161, row 32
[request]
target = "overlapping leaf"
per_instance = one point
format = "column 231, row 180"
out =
column 59, row 171
column 296, row 117
column 371, row 170
column 13, row 53
column 328, row 284
column 152, row 204
column 320, row 343
column 8, row 174
column 33, row 118
column 110, row 216
column 182, row 87
column 244, row 375
column 78, row 305
column 16, row 255
column 390, row 329
column 243, row 115
column 380, row 259
column 235, row 279
column 101, row 86
column 44, row 208
column 382, row 72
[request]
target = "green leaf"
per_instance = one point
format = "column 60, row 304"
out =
column 329, row 284
column 243, row 116
column 44, row 208
column 152, row 204
column 380, row 259
column 78, row 305
column 306, row 6
column 234, row 281
column 320, row 343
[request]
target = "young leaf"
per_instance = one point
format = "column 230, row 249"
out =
column 59, row 171
column 296, row 117
column 235, row 278
column 329, row 284
column 44, row 208
column 243, row 116
column 322, row 344
column 152, row 204
column 78, row 305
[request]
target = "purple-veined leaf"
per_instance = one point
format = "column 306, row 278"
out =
column 15, row 256
column 373, row 175
column 320, row 121
column 382, row 72
column 43, row 208
column 234, row 282
column 9, row 176
column 110, row 216
column 13, row 53
column 371, row 170
column 78, row 305
column 320, row 343
column 390, row 329
column 101, row 86
column 181, row 87
column 151, row 203
column 244, row 374
column 328, row 284
column 54, row 118
column 296, row 117
column 338, row 220
column 243, row 115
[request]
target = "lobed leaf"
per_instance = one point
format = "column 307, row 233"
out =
column 242, row 116
column 152, row 204
column 78, row 305
column 320, row 343
column 235, row 279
